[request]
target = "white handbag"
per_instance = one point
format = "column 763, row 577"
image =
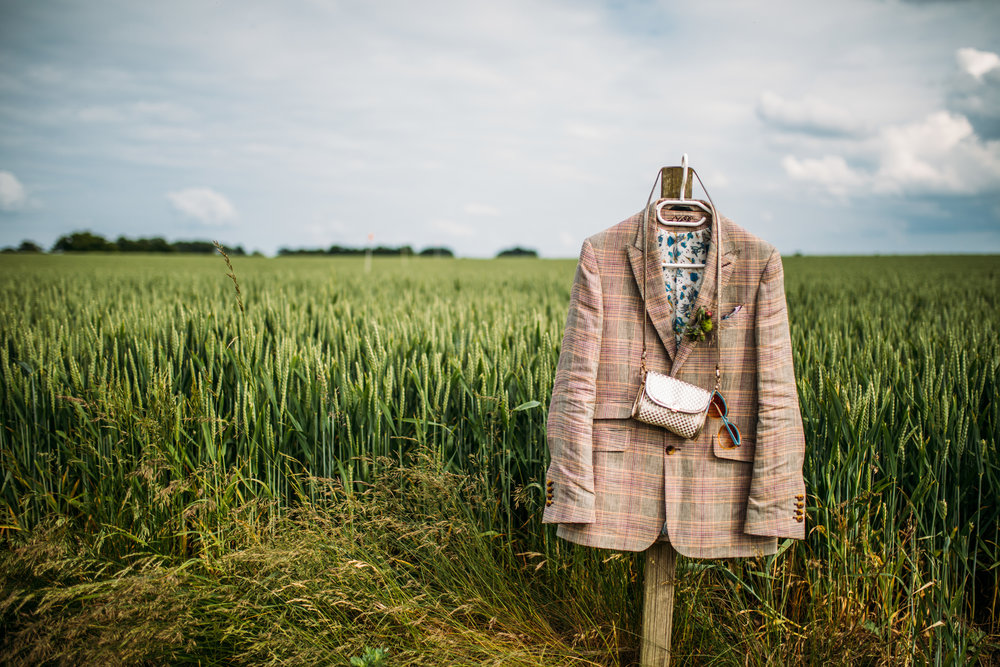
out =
column 663, row 400
column 678, row 406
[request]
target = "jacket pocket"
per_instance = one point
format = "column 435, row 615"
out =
column 734, row 316
column 745, row 452
column 611, row 435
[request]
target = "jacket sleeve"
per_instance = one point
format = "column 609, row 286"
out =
column 570, row 478
column 776, row 504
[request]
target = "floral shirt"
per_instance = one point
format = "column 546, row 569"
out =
column 682, row 285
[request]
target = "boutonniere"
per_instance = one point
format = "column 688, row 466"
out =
column 700, row 325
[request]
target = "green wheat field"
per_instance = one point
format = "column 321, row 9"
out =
column 342, row 464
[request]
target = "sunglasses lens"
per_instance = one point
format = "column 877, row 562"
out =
column 729, row 436
column 717, row 406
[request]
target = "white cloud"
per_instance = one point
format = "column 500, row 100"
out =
column 976, row 91
column 810, row 115
column 203, row 205
column 717, row 178
column 482, row 210
column 46, row 74
column 452, row 228
column 568, row 241
column 167, row 112
column 100, row 114
column 977, row 63
column 588, row 131
column 163, row 112
column 939, row 155
column 155, row 132
column 12, row 193
column 830, row 172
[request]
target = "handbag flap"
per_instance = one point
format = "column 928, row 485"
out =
column 675, row 394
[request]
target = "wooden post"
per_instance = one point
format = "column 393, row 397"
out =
column 658, row 605
column 670, row 183
column 661, row 558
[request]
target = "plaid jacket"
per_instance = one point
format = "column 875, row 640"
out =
column 612, row 481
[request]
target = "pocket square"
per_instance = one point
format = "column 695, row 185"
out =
column 732, row 312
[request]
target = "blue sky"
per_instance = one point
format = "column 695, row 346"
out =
column 823, row 127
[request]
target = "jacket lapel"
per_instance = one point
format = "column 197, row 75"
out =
column 657, row 305
column 706, row 295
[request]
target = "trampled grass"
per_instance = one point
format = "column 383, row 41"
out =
column 161, row 446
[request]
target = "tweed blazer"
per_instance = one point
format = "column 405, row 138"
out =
column 614, row 482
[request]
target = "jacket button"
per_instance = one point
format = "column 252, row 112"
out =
column 799, row 497
column 800, row 504
column 671, row 449
column 799, row 519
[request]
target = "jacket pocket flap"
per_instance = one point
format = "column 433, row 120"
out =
column 612, row 411
column 611, row 435
column 745, row 452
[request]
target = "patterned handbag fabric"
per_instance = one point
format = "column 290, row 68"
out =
column 663, row 400
column 677, row 406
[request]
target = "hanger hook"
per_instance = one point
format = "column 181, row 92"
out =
column 684, row 175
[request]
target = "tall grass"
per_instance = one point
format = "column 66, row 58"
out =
column 142, row 405
column 405, row 569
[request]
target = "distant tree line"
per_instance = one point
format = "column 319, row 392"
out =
column 433, row 251
column 436, row 251
column 87, row 241
column 518, row 252
column 26, row 246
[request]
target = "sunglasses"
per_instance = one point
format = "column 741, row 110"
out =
column 728, row 435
